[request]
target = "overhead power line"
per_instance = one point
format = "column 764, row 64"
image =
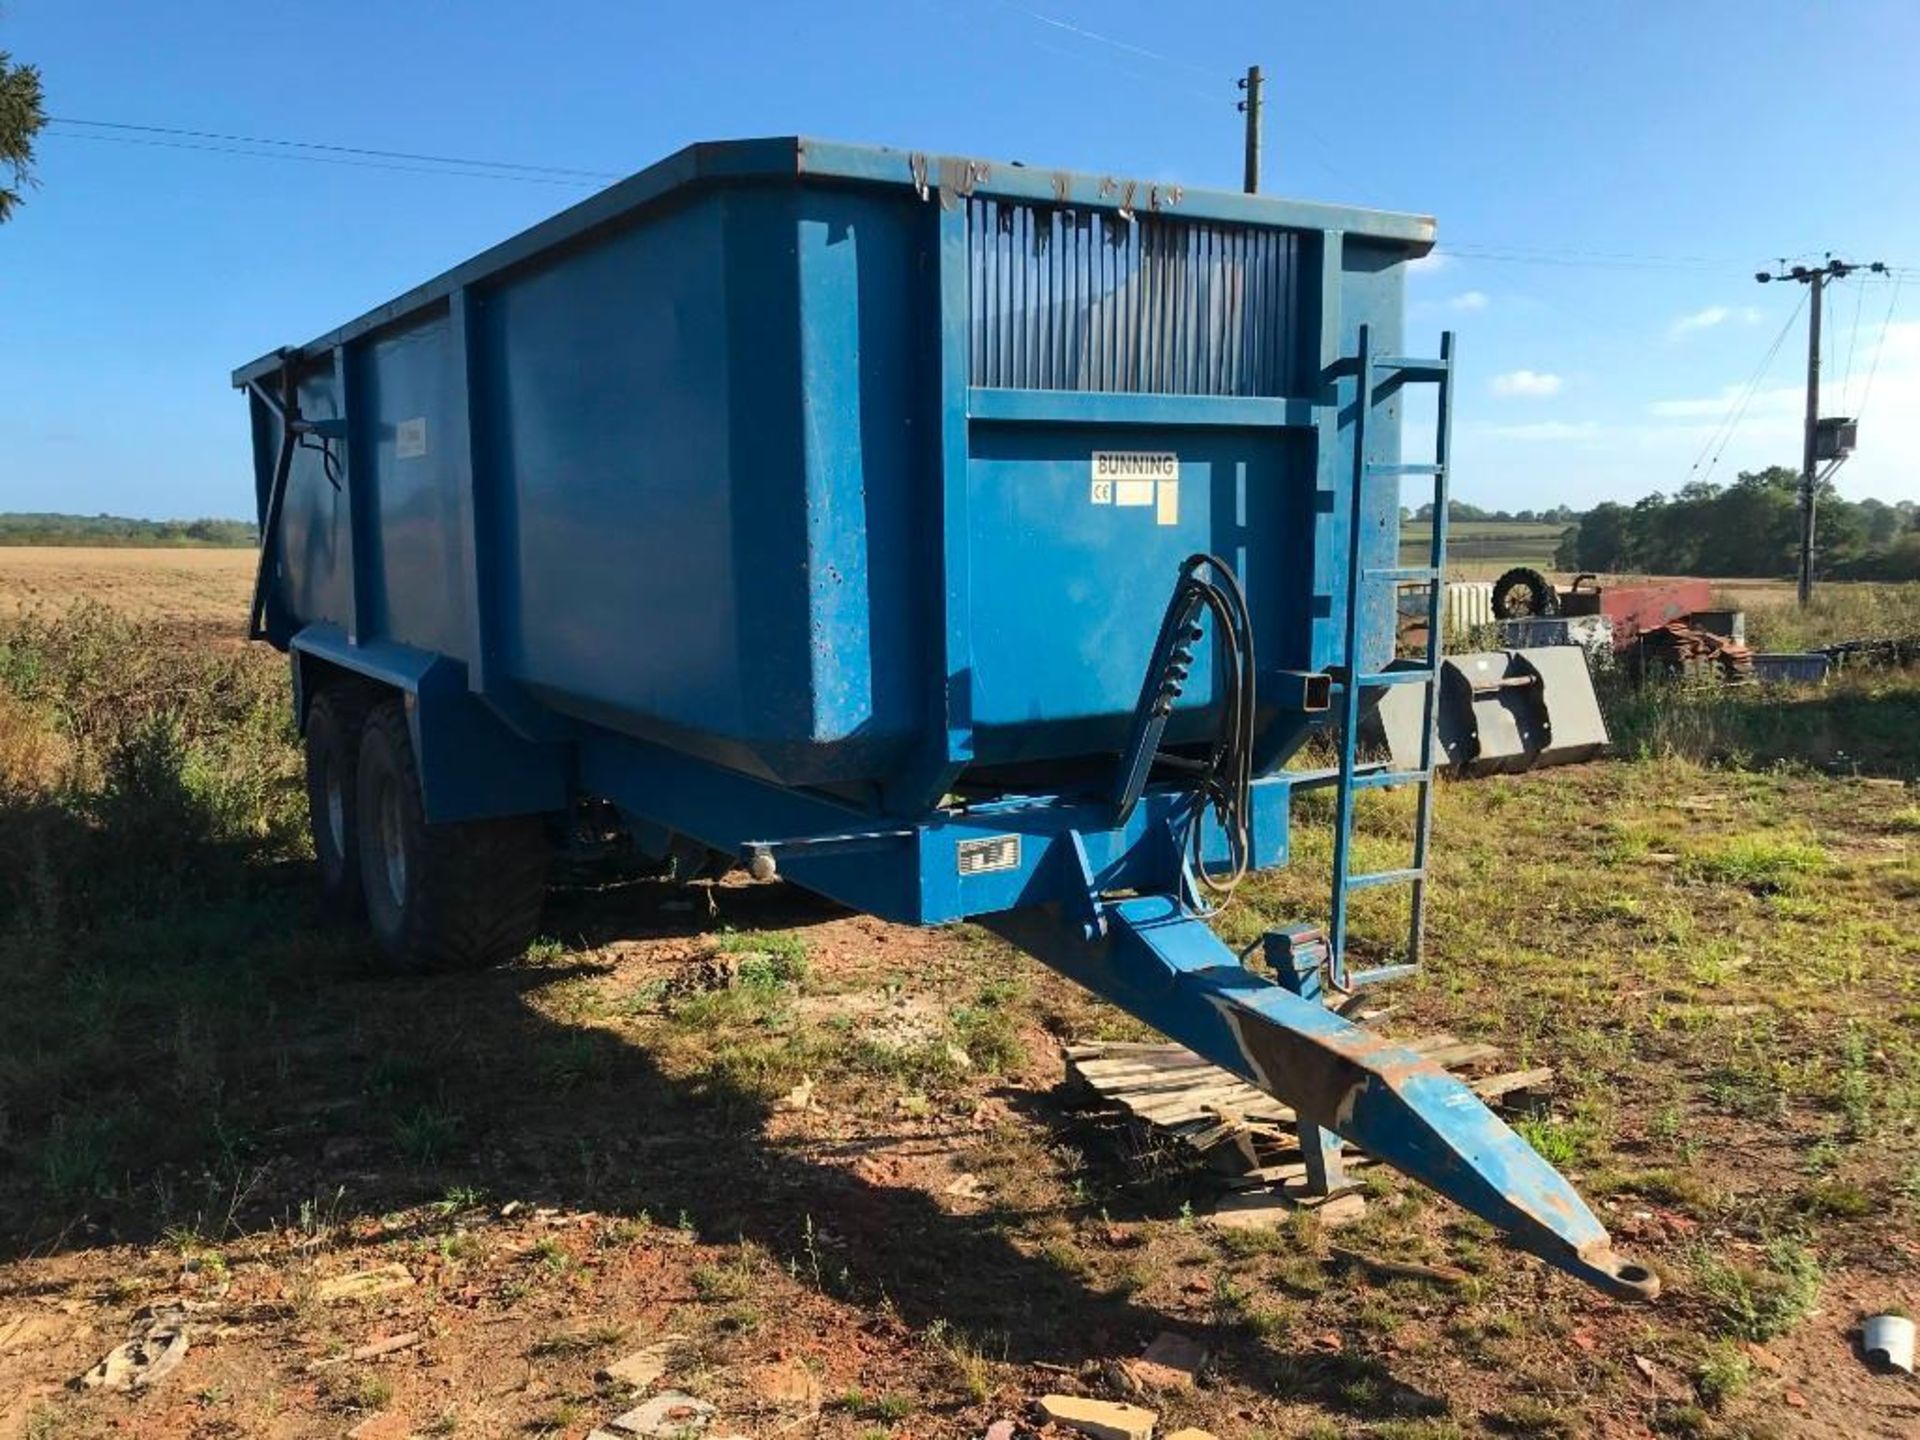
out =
column 271, row 147
column 1880, row 345
column 1723, row 433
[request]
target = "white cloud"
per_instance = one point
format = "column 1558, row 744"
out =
column 1468, row 301
column 1782, row 399
column 1435, row 259
column 1709, row 318
column 1547, row 430
column 1530, row 384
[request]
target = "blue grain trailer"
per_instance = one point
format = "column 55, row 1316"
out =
column 952, row 538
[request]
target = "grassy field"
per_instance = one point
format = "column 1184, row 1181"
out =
column 827, row 1165
column 1482, row 549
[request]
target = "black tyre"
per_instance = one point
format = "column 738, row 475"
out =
column 1524, row 591
column 440, row 897
column 334, row 722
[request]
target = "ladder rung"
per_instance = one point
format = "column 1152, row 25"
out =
column 1380, row 974
column 1406, row 572
column 1411, row 367
column 1381, row 779
column 1374, row 879
column 1416, row 467
column 1413, row 675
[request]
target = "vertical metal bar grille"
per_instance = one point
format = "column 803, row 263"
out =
column 1064, row 299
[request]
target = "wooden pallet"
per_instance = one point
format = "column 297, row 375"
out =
column 1172, row 1091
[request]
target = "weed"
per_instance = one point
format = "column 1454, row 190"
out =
column 1683, row 1189
column 631, row 1231
column 1060, row 1252
column 774, row 960
column 578, row 1342
column 1766, row 863
column 731, row 1280
column 1425, row 1427
column 319, row 1215
column 1836, row 1199
column 1560, row 1142
column 987, row 1030
column 1722, row 1375
column 546, row 951
column 965, row 1362
column 1530, row 1415
column 459, row 1198
column 551, row 1254
column 888, row 1409
column 1759, row 1301
column 371, row 1392
column 426, row 1133
column 1856, row 1086
column 571, row 1061
column 74, row 1156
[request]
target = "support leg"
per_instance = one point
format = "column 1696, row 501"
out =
column 1298, row 957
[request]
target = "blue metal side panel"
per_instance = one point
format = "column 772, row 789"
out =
column 315, row 566
column 638, row 401
column 868, row 419
column 1373, row 289
column 410, row 471
column 1057, row 662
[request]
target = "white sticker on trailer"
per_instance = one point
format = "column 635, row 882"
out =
column 1138, row 478
column 983, row 857
column 410, row 439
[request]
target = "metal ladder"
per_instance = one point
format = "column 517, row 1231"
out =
column 1381, row 376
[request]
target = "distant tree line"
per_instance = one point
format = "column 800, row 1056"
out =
column 1461, row 510
column 1751, row 527
column 48, row 529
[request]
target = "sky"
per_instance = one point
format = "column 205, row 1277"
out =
column 1607, row 179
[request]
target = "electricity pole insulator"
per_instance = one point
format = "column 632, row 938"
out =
column 1815, row 277
column 1250, row 107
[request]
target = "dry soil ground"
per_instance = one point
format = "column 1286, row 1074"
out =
column 826, row 1166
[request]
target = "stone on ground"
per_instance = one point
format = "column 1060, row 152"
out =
column 1171, row 1362
column 1100, row 1419
column 643, row 1366
column 664, row 1417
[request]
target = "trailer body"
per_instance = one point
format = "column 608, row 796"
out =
column 818, row 504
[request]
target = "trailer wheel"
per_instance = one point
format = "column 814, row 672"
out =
column 334, row 722
column 440, row 897
column 1524, row 591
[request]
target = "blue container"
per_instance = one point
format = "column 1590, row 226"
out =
column 856, row 473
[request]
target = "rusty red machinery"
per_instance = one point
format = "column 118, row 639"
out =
column 1630, row 610
column 1634, row 610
